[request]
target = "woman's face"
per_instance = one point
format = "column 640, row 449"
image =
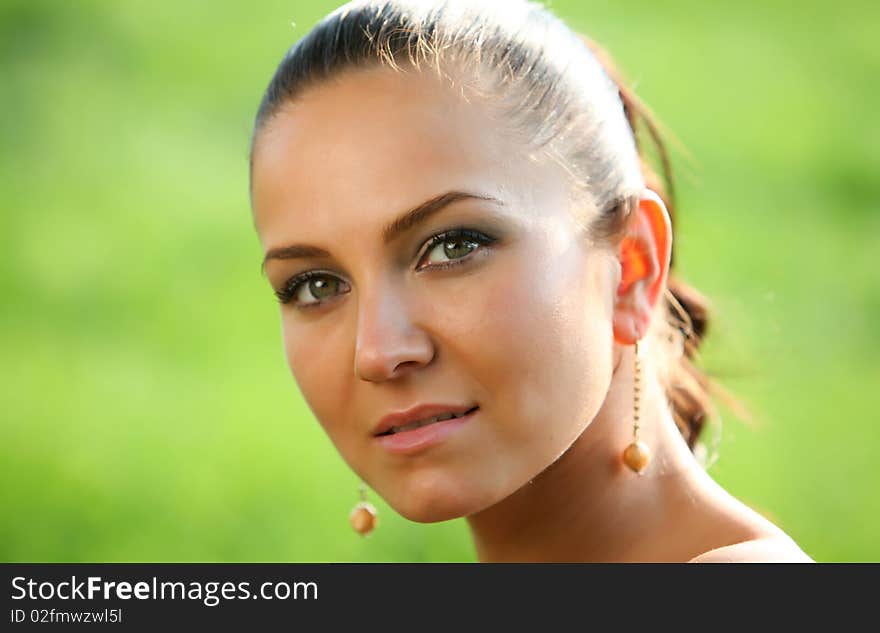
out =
column 513, row 315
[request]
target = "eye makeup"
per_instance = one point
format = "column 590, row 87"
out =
column 295, row 284
column 313, row 281
column 461, row 236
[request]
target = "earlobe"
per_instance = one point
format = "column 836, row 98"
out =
column 644, row 255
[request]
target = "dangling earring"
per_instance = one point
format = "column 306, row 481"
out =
column 636, row 455
column 363, row 516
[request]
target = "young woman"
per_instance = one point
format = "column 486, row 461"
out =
column 472, row 261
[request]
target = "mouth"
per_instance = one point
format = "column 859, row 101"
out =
column 417, row 437
column 394, row 430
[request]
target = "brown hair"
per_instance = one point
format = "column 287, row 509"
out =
column 559, row 92
column 687, row 387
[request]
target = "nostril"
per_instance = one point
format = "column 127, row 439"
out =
column 406, row 365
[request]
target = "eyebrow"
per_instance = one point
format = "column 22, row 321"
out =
column 390, row 232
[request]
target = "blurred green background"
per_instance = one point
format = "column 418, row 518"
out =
column 147, row 411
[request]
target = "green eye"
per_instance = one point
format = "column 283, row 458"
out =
column 452, row 249
column 318, row 288
column 447, row 247
column 311, row 289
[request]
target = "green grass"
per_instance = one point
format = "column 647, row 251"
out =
column 147, row 412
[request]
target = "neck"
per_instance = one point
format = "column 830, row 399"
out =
column 587, row 505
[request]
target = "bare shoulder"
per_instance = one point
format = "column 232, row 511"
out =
column 774, row 549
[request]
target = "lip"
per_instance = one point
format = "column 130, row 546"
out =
column 414, row 440
column 418, row 412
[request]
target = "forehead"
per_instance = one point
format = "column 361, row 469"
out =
column 373, row 142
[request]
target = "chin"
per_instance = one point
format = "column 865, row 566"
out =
column 427, row 499
column 429, row 514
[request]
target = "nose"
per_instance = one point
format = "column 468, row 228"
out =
column 389, row 342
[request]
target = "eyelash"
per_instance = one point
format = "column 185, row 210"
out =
column 291, row 286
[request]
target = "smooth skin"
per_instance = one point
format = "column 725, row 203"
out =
column 536, row 327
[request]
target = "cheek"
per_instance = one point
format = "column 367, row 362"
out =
column 541, row 346
column 315, row 357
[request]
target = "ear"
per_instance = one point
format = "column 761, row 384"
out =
column 644, row 255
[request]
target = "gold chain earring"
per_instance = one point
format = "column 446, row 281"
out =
column 636, row 455
column 363, row 517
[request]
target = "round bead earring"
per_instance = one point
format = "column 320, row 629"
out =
column 363, row 517
column 637, row 454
